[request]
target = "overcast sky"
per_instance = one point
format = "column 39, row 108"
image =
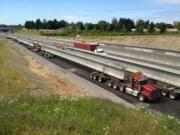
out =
column 17, row 11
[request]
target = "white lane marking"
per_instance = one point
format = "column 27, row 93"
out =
column 172, row 54
column 139, row 49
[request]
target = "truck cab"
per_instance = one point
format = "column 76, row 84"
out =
column 36, row 47
column 100, row 51
column 140, row 86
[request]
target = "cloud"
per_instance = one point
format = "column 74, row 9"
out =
column 168, row 1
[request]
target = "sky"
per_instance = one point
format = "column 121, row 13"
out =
column 18, row 11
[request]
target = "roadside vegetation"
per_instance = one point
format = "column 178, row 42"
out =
column 12, row 80
column 21, row 113
column 117, row 27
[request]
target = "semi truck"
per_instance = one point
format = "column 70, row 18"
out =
column 94, row 47
column 37, row 48
column 135, row 84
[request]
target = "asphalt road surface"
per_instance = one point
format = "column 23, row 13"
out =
column 164, row 105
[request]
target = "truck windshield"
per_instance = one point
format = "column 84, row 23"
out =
column 142, row 82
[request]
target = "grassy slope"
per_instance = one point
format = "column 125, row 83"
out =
column 56, row 115
column 22, row 114
column 12, row 80
column 29, row 32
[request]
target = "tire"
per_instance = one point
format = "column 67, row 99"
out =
column 100, row 80
column 164, row 93
column 114, row 87
column 172, row 96
column 141, row 98
column 94, row 78
column 109, row 84
column 122, row 89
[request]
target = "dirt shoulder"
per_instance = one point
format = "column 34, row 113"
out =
column 52, row 79
column 45, row 81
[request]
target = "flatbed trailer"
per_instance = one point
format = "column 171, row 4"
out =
column 170, row 91
column 135, row 84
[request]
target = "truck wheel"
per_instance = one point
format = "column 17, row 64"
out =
column 164, row 93
column 115, row 87
column 141, row 98
column 109, row 84
column 122, row 89
column 172, row 95
column 100, row 80
column 94, row 77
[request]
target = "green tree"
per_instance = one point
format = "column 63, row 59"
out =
column 96, row 27
column 129, row 24
column 103, row 25
column 55, row 24
column 110, row 27
column 151, row 28
column 125, row 24
column 38, row 24
column 62, row 24
column 80, row 26
column 29, row 25
column 89, row 26
column 44, row 24
column 178, row 26
column 146, row 24
column 140, row 25
column 161, row 26
column 49, row 24
column 113, row 25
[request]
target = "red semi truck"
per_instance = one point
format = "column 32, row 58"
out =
column 135, row 84
column 85, row 46
column 93, row 47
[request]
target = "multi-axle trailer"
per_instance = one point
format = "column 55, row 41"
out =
column 135, row 84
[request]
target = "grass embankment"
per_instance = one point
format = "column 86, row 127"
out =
column 70, row 116
column 72, row 33
column 23, row 114
column 29, row 32
column 12, row 80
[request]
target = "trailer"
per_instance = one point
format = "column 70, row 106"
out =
column 170, row 91
column 85, row 46
column 135, row 84
column 93, row 47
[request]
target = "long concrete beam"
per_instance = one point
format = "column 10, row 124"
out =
column 164, row 74
column 114, row 66
column 108, row 69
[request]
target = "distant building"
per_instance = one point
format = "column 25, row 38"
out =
column 175, row 23
column 172, row 30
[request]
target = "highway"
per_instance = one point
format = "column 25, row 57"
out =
column 166, row 57
column 158, row 71
column 146, row 55
column 164, row 105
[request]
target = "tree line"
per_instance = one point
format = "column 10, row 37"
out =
column 116, row 25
